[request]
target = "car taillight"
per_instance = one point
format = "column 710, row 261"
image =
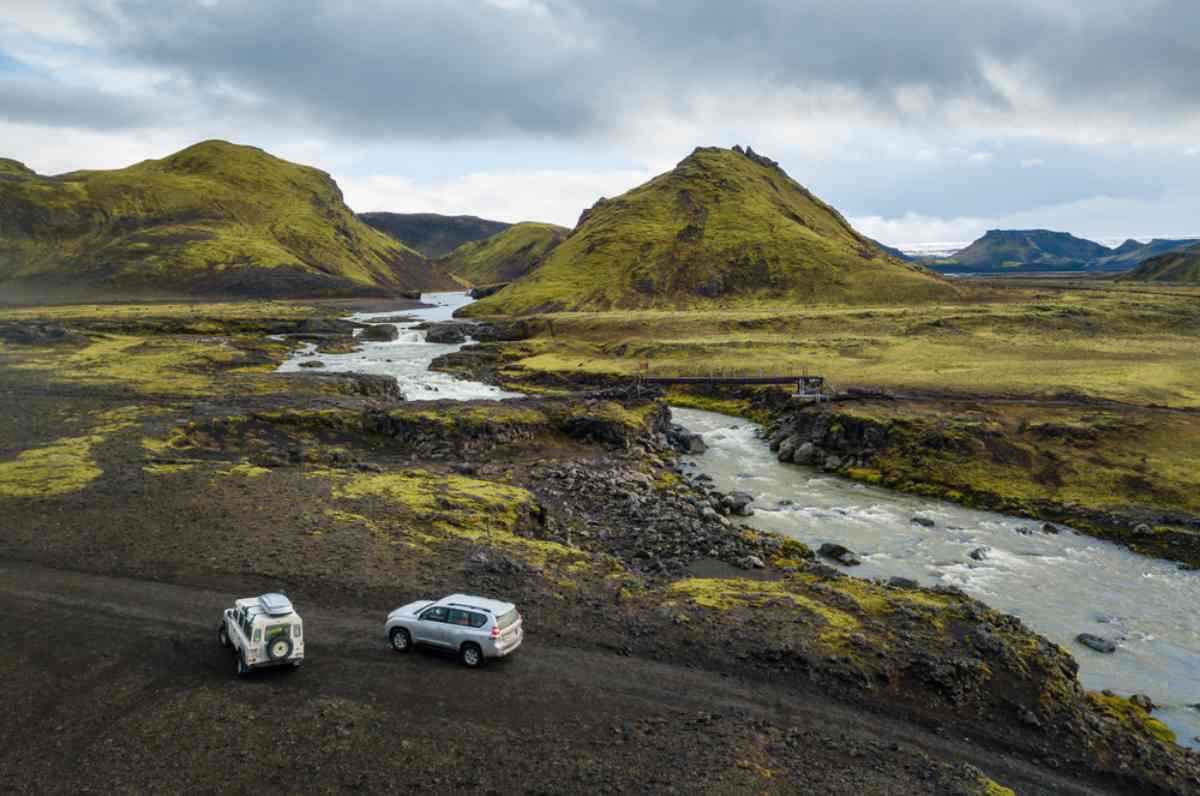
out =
column 495, row 632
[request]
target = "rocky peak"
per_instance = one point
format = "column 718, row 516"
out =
column 761, row 160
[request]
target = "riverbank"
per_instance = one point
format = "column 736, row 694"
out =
column 179, row 459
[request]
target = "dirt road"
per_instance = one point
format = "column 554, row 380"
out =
column 119, row 684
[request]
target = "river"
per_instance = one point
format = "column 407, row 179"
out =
column 1060, row 585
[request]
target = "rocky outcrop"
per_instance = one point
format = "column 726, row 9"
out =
column 381, row 333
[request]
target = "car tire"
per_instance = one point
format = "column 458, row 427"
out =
column 471, row 655
column 242, row 668
column 223, row 635
column 401, row 640
column 280, row 648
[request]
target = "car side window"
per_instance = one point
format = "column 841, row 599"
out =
column 437, row 614
column 457, row 617
column 477, row 620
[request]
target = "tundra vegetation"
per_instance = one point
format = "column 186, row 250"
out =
column 146, row 439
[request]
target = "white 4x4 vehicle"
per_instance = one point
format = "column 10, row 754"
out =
column 263, row 631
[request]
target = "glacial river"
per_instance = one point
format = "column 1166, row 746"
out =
column 1060, row 585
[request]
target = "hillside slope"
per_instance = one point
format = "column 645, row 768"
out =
column 1008, row 249
column 1131, row 254
column 505, row 256
column 431, row 234
column 724, row 227
column 213, row 219
column 1181, row 267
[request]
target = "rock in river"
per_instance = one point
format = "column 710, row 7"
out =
column 840, row 554
column 381, row 332
column 1098, row 643
column 924, row 522
column 446, row 333
column 739, row 503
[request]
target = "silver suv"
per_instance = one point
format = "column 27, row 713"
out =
column 475, row 628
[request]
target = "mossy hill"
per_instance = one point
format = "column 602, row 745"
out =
column 1040, row 250
column 506, row 256
column 1181, row 267
column 213, row 219
column 724, row 227
column 431, row 234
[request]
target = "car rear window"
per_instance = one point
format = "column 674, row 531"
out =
column 277, row 630
column 504, row 620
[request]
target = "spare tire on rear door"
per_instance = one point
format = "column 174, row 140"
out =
column 279, row 648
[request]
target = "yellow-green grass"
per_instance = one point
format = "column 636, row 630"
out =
column 199, row 312
column 719, row 229
column 202, row 214
column 504, row 256
column 1097, row 459
column 1130, row 715
column 1137, row 347
column 66, row 464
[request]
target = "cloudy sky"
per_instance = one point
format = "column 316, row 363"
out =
column 922, row 120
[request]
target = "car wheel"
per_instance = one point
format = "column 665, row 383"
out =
column 223, row 635
column 401, row 640
column 471, row 655
column 279, row 648
column 242, row 668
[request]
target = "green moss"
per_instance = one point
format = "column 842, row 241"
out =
column 1130, row 715
column 65, row 465
column 718, row 223
column 168, row 469
column 212, row 212
column 504, row 256
column 993, row 788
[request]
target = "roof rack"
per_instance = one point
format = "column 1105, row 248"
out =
column 275, row 604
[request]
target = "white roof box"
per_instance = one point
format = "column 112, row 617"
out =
column 275, row 604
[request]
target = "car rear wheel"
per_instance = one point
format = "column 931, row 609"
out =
column 279, row 648
column 223, row 635
column 471, row 655
column 401, row 640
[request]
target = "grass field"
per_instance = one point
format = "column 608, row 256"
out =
column 1133, row 346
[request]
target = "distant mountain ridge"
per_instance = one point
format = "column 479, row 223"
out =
column 724, row 227
column 432, row 234
column 1039, row 250
column 1177, row 267
column 213, row 219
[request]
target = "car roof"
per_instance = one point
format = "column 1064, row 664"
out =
column 477, row 603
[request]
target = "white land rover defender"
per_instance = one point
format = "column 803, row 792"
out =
column 263, row 631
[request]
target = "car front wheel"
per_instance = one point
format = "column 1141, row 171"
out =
column 401, row 641
column 471, row 655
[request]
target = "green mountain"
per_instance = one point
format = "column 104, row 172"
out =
column 1003, row 250
column 725, row 227
column 431, row 234
column 1179, row 267
column 214, row 219
column 1029, row 250
column 1131, row 254
column 505, row 256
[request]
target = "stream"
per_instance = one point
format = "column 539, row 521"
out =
column 1060, row 585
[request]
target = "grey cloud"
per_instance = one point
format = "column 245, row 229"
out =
column 41, row 100
column 463, row 70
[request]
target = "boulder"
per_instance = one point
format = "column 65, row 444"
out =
column 980, row 553
column 838, row 553
column 685, row 441
column 903, row 583
column 739, row 503
column 1098, row 643
column 312, row 363
column 751, row 562
column 445, row 333
column 1049, row 527
column 924, row 522
column 1142, row 701
column 832, row 462
column 787, row 448
column 381, row 333
column 1142, row 529
column 806, row 453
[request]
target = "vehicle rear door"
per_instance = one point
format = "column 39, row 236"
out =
column 431, row 626
column 458, row 627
